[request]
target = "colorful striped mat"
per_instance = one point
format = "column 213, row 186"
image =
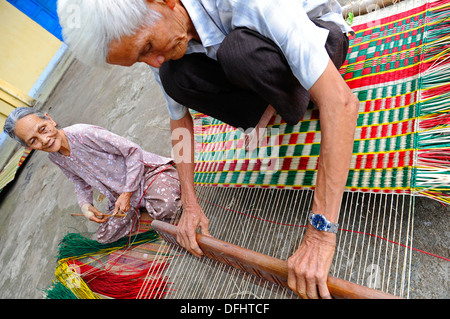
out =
column 399, row 67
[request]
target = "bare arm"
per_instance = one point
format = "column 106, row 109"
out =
column 193, row 216
column 338, row 106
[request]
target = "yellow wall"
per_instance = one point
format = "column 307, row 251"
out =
column 25, row 50
column 10, row 98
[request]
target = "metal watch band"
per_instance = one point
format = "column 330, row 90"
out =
column 326, row 225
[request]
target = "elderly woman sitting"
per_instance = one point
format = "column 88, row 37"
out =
column 92, row 157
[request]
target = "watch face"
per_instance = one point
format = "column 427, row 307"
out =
column 319, row 222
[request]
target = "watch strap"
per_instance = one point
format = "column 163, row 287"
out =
column 330, row 227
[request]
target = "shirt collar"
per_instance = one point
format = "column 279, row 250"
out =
column 208, row 31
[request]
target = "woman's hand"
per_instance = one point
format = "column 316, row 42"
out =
column 93, row 214
column 122, row 204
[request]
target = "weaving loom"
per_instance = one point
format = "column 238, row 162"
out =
column 399, row 67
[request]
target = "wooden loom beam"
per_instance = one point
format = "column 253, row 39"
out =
column 263, row 266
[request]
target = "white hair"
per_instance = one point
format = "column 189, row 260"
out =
column 89, row 26
column 17, row 114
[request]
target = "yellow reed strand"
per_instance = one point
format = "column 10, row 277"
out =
column 68, row 276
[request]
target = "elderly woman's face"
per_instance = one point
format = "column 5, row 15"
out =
column 39, row 134
column 166, row 40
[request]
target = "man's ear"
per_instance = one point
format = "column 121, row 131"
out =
column 171, row 3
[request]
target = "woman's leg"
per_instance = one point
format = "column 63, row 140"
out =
column 117, row 227
column 162, row 197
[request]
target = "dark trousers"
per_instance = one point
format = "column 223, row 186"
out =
column 250, row 73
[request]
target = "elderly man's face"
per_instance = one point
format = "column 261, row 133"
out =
column 166, row 40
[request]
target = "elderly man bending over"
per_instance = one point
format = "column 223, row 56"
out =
column 238, row 61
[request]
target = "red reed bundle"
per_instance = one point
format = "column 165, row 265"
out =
column 125, row 286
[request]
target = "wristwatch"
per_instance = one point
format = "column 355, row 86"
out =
column 319, row 222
